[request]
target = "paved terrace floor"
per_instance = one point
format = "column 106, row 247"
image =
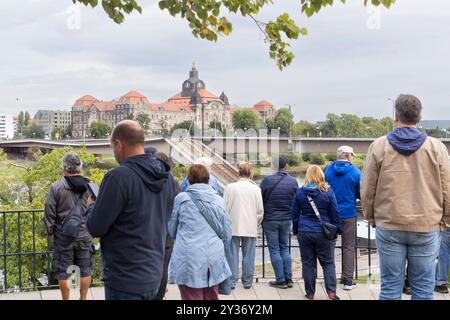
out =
column 259, row 291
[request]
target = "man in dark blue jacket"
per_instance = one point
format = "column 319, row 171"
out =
column 130, row 216
column 278, row 191
column 344, row 178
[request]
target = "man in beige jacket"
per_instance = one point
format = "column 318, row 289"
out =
column 405, row 195
column 244, row 202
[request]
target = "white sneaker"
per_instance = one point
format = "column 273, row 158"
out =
column 349, row 286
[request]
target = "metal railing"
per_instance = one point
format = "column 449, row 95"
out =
column 26, row 253
column 369, row 250
column 16, row 248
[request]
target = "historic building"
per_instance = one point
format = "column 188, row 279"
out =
column 193, row 102
column 51, row 120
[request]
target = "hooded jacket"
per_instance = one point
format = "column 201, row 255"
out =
column 198, row 258
column 405, row 182
column 130, row 216
column 344, row 178
column 304, row 218
column 62, row 197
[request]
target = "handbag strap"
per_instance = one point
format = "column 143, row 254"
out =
column 313, row 205
column 203, row 213
column 79, row 200
column 269, row 193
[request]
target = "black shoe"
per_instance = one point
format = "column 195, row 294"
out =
column 248, row 287
column 407, row 291
column 290, row 283
column 441, row 289
column 279, row 285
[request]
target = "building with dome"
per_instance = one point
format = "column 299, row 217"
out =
column 193, row 103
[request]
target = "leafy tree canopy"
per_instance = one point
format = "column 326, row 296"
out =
column 35, row 131
column 209, row 19
column 100, row 130
column 144, row 121
column 187, row 125
column 284, row 120
column 216, row 125
column 245, row 119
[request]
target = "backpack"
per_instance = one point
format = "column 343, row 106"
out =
column 72, row 224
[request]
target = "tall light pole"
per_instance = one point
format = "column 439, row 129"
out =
column 290, row 128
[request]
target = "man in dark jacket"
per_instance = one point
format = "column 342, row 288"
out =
column 278, row 191
column 344, row 178
column 130, row 216
column 62, row 198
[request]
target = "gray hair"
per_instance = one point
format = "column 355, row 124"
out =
column 408, row 109
column 72, row 163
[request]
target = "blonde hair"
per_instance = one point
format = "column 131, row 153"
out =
column 315, row 175
column 245, row 169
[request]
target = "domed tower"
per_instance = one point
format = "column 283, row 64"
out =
column 192, row 84
column 224, row 98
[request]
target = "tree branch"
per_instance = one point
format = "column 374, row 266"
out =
column 18, row 166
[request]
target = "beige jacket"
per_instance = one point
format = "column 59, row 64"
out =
column 407, row 193
column 245, row 204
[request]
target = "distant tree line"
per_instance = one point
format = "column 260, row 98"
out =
column 335, row 126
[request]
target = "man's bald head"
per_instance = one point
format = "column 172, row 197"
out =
column 129, row 133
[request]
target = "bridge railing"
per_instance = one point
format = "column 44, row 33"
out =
column 26, row 254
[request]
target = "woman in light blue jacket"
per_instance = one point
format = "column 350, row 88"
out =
column 201, row 228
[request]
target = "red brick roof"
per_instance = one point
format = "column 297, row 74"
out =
column 104, row 105
column 133, row 97
column 85, row 101
column 263, row 105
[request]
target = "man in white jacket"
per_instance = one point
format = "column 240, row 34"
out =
column 245, row 204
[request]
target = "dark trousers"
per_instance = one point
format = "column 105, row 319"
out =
column 315, row 246
column 167, row 255
column 348, row 248
column 188, row 293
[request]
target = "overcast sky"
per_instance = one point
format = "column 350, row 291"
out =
column 352, row 61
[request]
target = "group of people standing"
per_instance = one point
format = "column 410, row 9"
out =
column 152, row 231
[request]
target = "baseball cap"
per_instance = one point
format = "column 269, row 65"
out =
column 345, row 150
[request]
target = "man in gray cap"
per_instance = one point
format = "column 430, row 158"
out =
column 344, row 178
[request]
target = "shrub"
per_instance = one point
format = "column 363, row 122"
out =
column 317, row 158
column 331, row 156
column 306, row 157
column 292, row 159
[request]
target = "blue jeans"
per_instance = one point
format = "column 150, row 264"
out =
column 277, row 235
column 315, row 246
column 420, row 249
column 248, row 260
column 112, row 294
column 444, row 259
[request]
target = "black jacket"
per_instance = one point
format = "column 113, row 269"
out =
column 130, row 216
column 61, row 198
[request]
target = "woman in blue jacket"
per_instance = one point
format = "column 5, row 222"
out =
column 201, row 228
column 311, row 237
